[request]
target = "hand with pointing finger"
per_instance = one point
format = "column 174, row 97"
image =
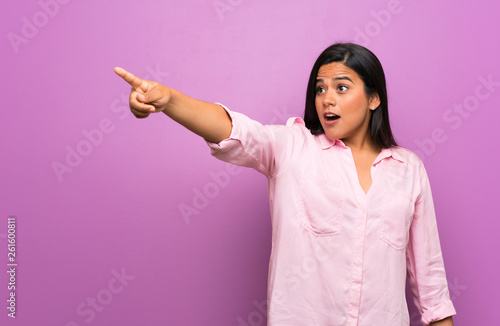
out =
column 146, row 96
column 208, row 120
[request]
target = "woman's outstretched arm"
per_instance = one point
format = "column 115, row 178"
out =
column 207, row 120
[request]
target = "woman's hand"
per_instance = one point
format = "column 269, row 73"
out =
column 146, row 96
column 207, row 120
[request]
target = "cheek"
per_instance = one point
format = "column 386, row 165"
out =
column 319, row 106
column 356, row 117
column 317, row 103
column 356, row 109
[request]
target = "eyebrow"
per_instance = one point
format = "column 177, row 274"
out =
column 336, row 78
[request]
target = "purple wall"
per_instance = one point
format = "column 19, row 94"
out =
column 98, row 194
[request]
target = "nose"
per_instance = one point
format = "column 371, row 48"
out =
column 329, row 99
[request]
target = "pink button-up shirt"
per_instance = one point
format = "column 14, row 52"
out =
column 340, row 257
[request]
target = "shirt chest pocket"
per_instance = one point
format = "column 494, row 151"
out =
column 395, row 220
column 320, row 206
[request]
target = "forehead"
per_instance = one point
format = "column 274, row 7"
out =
column 336, row 69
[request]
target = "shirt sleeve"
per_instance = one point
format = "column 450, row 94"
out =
column 425, row 266
column 254, row 145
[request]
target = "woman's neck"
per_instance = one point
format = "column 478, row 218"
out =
column 362, row 144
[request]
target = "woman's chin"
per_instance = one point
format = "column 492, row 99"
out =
column 332, row 135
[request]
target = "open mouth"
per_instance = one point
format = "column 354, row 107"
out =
column 331, row 117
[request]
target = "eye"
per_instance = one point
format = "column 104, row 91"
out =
column 319, row 89
column 342, row 88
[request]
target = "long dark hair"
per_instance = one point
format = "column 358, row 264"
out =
column 369, row 69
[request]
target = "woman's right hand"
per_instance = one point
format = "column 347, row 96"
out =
column 146, row 96
column 208, row 120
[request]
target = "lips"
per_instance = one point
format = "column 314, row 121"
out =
column 330, row 118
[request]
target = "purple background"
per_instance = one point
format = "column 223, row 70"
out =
column 117, row 208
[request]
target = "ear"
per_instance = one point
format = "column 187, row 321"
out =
column 374, row 101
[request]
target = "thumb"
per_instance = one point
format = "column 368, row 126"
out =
column 141, row 97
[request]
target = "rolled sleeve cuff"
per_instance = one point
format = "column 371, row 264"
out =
column 438, row 312
column 228, row 143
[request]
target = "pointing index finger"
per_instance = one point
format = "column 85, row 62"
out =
column 131, row 79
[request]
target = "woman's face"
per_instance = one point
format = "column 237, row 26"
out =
column 342, row 105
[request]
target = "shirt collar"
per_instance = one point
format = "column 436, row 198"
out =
column 324, row 140
column 389, row 153
column 384, row 153
column 327, row 142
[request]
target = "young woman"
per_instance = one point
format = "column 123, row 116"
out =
column 352, row 213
